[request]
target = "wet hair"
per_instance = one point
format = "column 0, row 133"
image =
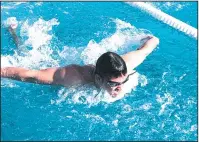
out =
column 110, row 65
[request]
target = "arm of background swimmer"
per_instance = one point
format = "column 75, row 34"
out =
column 14, row 36
column 135, row 58
column 56, row 76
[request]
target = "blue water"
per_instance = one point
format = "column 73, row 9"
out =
column 162, row 108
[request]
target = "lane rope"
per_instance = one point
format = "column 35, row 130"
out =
column 171, row 21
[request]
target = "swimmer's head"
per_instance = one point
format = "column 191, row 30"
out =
column 111, row 73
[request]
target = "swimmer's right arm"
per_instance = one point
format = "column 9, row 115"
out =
column 64, row 76
column 45, row 76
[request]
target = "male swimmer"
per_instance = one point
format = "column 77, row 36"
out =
column 110, row 72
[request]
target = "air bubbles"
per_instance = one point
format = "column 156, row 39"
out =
column 115, row 122
column 167, row 99
column 193, row 127
column 143, row 80
column 146, row 106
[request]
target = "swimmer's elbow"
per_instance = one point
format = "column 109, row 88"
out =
column 156, row 41
column 149, row 46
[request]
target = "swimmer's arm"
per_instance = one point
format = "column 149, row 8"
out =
column 64, row 76
column 45, row 76
column 135, row 58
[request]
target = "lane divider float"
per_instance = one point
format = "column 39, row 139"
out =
column 171, row 21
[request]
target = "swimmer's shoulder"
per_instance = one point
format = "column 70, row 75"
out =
column 88, row 73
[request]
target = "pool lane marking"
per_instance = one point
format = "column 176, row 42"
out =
column 158, row 14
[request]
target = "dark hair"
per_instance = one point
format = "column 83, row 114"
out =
column 110, row 65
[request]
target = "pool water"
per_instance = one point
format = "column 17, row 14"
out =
column 163, row 106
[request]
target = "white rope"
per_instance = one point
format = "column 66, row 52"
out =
column 158, row 14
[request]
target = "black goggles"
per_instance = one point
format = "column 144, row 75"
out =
column 114, row 84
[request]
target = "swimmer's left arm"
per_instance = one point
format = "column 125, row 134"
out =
column 135, row 58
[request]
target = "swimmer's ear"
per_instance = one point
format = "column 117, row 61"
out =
column 98, row 79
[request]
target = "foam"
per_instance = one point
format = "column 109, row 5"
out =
column 10, row 21
column 90, row 95
column 38, row 38
column 38, row 32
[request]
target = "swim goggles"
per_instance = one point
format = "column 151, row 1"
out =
column 114, row 84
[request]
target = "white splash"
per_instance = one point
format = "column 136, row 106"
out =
column 126, row 36
column 89, row 94
column 38, row 32
column 38, row 38
column 10, row 21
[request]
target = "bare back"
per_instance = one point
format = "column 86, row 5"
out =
column 74, row 75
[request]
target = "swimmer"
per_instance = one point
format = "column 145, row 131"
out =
column 110, row 73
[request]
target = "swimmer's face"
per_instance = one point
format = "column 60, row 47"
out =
column 114, row 86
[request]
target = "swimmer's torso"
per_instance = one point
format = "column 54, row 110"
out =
column 75, row 75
